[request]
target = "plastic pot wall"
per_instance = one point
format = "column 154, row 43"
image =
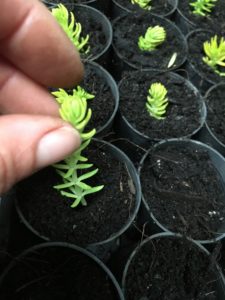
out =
column 146, row 215
column 7, row 285
column 102, row 249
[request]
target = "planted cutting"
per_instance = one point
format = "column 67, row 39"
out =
column 144, row 41
column 156, row 106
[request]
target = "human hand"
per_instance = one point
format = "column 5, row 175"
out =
column 34, row 54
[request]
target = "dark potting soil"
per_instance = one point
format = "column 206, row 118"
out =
column 215, row 102
column 215, row 21
column 196, row 53
column 184, row 191
column 127, row 30
column 171, row 269
column 183, row 112
column 57, row 273
column 159, row 7
column 106, row 212
column 103, row 104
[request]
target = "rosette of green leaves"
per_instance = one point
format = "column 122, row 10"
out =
column 203, row 7
column 145, row 4
column 73, row 109
column 72, row 29
column 157, row 101
column 215, row 54
column 153, row 37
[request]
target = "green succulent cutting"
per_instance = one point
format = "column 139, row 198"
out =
column 72, row 29
column 203, row 7
column 73, row 109
column 157, row 101
column 145, row 4
column 153, row 37
column 215, row 54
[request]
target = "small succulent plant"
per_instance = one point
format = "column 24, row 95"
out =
column 215, row 54
column 153, row 37
column 157, row 101
column 203, row 7
column 73, row 109
column 72, row 29
column 145, row 4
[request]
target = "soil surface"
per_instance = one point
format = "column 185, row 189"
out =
column 215, row 21
column 57, row 273
column 216, row 111
column 127, row 30
column 159, row 7
column 184, row 191
column 183, row 113
column 90, row 25
column 168, row 269
column 106, row 212
column 196, row 53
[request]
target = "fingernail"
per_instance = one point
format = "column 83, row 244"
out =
column 56, row 145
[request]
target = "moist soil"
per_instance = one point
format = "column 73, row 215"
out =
column 215, row 21
column 106, row 212
column 184, row 191
column 127, row 30
column 159, row 7
column 216, row 111
column 57, row 273
column 196, row 53
column 171, row 269
column 103, row 104
column 182, row 117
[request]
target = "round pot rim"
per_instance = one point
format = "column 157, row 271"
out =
column 137, row 197
column 184, row 17
column 160, row 225
column 106, row 74
column 206, row 123
column 166, row 235
column 196, row 70
column 202, row 109
column 163, row 15
column 70, row 246
column 171, row 25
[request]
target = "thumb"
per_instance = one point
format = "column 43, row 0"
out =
column 29, row 143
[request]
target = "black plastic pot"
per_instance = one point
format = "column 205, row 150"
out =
column 206, row 134
column 126, row 130
column 104, row 248
column 183, row 22
column 127, row 55
column 54, row 271
column 118, row 9
column 159, row 288
column 110, row 82
column 197, row 73
column 102, row 54
column 217, row 161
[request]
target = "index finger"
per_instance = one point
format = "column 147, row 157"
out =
column 32, row 40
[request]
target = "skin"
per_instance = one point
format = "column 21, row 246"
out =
column 34, row 54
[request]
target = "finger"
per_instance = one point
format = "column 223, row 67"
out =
column 19, row 94
column 29, row 143
column 32, row 40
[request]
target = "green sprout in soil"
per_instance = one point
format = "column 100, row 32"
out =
column 203, row 7
column 154, row 37
column 157, row 101
column 73, row 109
column 71, row 28
column 145, row 4
column 215, row 54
